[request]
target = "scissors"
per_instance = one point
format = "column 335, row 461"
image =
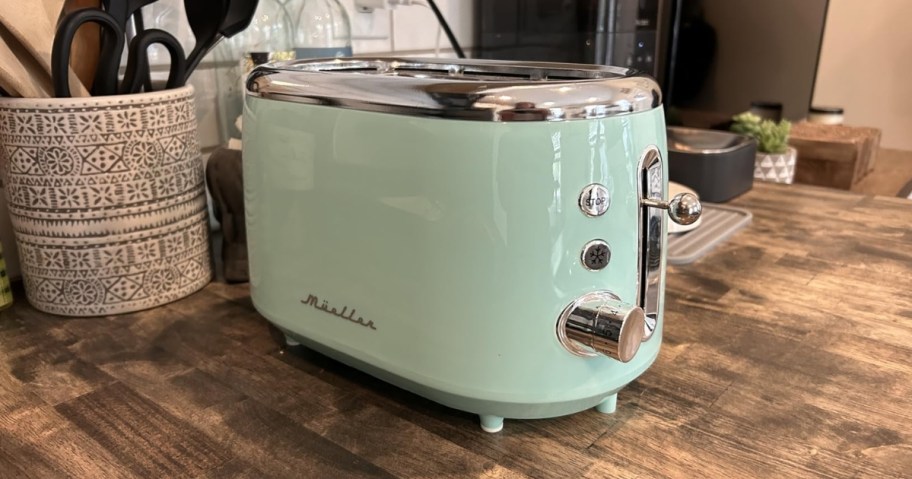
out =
column 105, row 82
column 138, row 65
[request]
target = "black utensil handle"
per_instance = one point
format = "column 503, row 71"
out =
column 111, row 49
column 446, row 29
column 139, row 26
column 112, row 44
column 138, row 64
column 197, row 54
column 63, row 39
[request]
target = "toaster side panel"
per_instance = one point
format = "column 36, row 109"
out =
column 439, row 254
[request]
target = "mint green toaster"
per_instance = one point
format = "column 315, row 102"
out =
column 486, row 234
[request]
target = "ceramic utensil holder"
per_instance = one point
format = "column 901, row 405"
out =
column 107, row 200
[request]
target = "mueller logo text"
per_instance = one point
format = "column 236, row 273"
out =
column 344, row 313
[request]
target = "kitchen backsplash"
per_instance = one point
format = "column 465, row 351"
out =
column 414, row 32
column 415, row 29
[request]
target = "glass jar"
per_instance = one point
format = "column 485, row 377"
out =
column 323, row 30
column 827, row 115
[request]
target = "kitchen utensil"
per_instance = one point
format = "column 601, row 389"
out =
column 139, row 26
column 31, row 27
column 54, row 9
column 20, row 73
column 105, row 80
column 215, row 21
column 86, row 45
column 719, row 165
column 205, row 20
column 487, row 234
column 138, row 66
column 109, row 65
column 109, row 59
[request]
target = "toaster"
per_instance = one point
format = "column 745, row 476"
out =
column 487, row 234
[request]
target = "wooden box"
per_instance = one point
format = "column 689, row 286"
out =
column 837, row 156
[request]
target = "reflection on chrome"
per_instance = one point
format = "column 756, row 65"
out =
column 651, row 232
column 481, row 90
column 600, row 323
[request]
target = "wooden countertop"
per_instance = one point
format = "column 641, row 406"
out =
column 787, row 353
column 892, row 172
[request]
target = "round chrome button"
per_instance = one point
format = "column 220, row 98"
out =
column 594, row 200
column 596, row 255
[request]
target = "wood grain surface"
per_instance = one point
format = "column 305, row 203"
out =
column 787, row 353
column 891, row 173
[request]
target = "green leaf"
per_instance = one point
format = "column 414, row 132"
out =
column 771, row 137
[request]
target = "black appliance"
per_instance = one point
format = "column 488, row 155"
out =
column 712, row 58
column 627, row 33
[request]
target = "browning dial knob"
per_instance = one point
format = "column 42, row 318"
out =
column 599, row 323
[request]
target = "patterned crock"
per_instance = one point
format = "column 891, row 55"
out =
column 107, row 200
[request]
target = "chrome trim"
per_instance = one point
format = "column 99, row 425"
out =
column 480, row 90
column 651, row 231
column 704, row 142
column 595, row 242
column 598, row 323
column 597, row 210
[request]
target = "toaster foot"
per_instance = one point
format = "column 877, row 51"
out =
column 290, row 342
column 491, row 423
column 608, row 405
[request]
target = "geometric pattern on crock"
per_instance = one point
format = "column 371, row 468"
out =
column 107, row 198
column 45, row 227
column 95, row 190
column 776, row 168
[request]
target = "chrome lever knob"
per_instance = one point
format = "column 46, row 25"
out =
column 683, row 209
column 599, row 323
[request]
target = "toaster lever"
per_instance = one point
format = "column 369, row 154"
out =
column 683, row 209
column 600, row 324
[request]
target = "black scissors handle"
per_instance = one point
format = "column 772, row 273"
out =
column 60, row 53
column 111, row 49
column 138, row 65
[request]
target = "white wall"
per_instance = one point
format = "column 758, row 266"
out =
column 866, row 68
column 415, row 29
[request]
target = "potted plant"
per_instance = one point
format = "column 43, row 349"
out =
column 775, row 158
